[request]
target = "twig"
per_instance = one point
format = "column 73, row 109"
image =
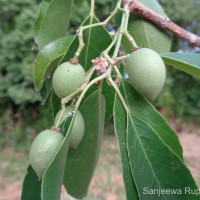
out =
column 137, row 7
column 82, row 28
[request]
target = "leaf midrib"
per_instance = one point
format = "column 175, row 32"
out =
column 88, row 42
column 128, row 115
column 138, row 138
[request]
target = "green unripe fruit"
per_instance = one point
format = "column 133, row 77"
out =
column 146, row 72
column 67, row 78
column 78, row 127
column 43, row 150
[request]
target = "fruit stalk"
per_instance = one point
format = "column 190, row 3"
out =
column 119, row 39
column 119, row 94
column 94, row 81
column 61, row 115
column 92, row 4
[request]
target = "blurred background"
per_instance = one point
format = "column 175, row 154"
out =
column 22, row 114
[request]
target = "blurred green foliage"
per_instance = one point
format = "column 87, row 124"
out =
column 21, row 113
column 180, row 96
column 19, row 105
column 16, row 56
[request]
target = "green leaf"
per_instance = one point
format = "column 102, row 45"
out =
column 187, row 62
column 143, row 109
column 109, row 94
column 67, row 122
column 147, row 34
column 78, row 2
column 52, row 21
column 48, row 58
column 46, row 90
column 40, row 16
column 53, row 177
column 93, row 48
column 31, row 186
column 82, row 161
column 154, row 162
column 120, row 130
column 55, row 104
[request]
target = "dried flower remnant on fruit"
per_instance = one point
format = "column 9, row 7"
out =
column 73, row 62
column 54, row 128
column 101, row 65
column 136, row 48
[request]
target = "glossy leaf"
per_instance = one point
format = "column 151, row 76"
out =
column 154, row 162
column 40, row 16
column 48, row 58
column 187, row 62
column 82, row 161
column 45, row 91
column 120, row 130
column 143, row 109
column 31, row 186
column 53, row 177
column 147, row 34
column 52, row 21
column 93, row 48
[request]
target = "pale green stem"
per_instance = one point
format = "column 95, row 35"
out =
column 123, row 28
column 120, row 58
column 81, row 29
column 94, row 81
column 119, row 94
column 126, row 33
column 88, row 76
column 117, row 71
column 92, row 7
column 107, row 50
column 66, row 99
column 110, row 60
column 118, row 43
column 61, row 115
column 105, row 53
column 130, row 39
column 126, row 14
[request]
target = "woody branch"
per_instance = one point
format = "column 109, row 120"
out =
column 136, row 7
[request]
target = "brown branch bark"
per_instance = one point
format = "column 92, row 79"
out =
column 138, row 8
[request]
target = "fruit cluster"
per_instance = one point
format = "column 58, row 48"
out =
column 146, row 72
column 66, row 79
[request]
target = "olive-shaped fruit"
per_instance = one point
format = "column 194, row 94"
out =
column 67, row 78
column 146, row 71
column 43, row 150
column 78, row 127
